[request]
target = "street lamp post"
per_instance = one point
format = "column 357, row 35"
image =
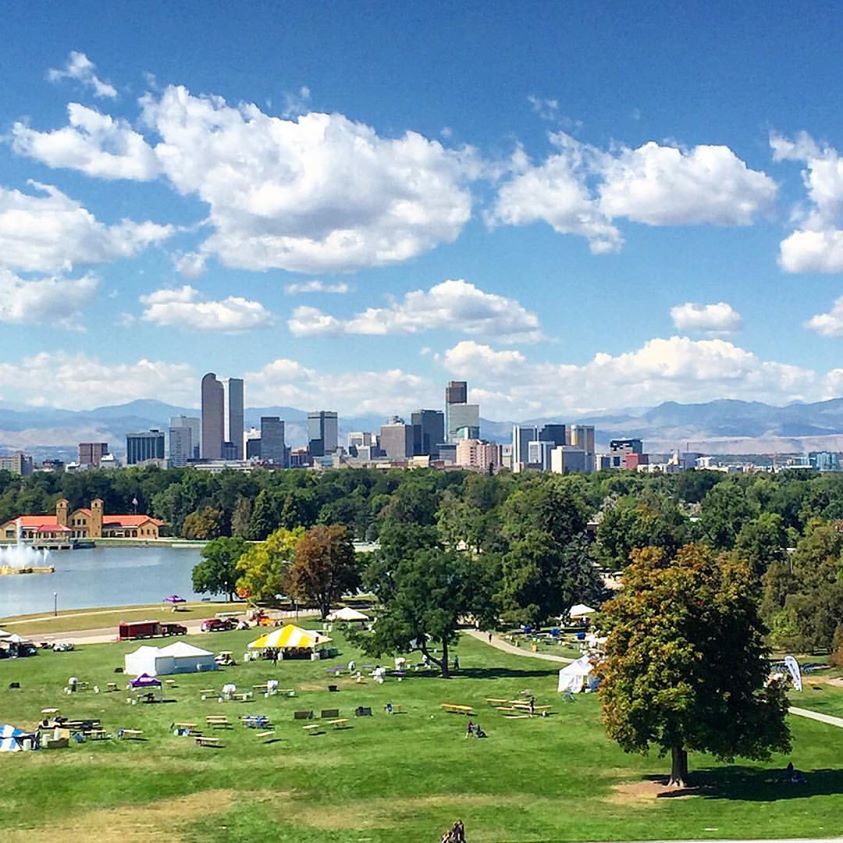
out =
column 55, row 604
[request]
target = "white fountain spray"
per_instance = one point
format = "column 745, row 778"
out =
column 22, row 555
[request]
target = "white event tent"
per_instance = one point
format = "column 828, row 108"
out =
column 175, row 658
column 580, row 610
column 574, row 677
column 348, row 615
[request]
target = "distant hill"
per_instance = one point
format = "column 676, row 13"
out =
column 722, row 426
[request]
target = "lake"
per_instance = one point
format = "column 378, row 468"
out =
column 102, row 576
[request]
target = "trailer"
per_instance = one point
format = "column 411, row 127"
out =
column 132, row 630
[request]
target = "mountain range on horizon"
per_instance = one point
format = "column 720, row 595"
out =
column 723, row 426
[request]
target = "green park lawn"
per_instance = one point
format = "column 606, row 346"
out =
column 402, row 777
column 819, row 696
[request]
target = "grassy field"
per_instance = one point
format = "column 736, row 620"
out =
column 82, row 619
column 820, row 696
column 404, row 777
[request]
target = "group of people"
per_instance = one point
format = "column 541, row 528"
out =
column 455, row 834
column 473, row 729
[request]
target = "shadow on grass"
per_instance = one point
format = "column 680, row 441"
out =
column 751, row 784
column 501, row 673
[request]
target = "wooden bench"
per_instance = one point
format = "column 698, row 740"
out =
column 452, row 708
column 212, row 742
column 494, row 701
column 329, row 713
column 208, row 692
column 312, row 728
column 184, row 725
column 339, row 723
column 303, row 715
column 243, row 697
column 96, row 734
column 269, row 733
column 131, row 734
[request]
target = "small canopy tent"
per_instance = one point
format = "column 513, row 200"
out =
column 13, row 739
column 176, row 658
column 290, row 638
column 348, row 615
column 576, row 677
column 580, row 610
column 145, row 681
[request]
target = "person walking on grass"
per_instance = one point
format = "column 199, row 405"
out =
column 456, row 663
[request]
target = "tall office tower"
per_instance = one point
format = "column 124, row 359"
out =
column 90, row 453
column 538, row 454
column 233, row 415
column 565, row 459
column 482, row 456
column 213, row 417
column 459, row 414
column 396, row 439
column 555, row 433
column 456, row 392
column 322, row 432
column 181, row 446
column 522, row 435
column 625, row 453
column 273, row 446
column 195, row 426
column 144, row 446
column 582, row 436
column 428, row 431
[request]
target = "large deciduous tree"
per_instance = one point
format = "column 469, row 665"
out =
column 263, row 567
column 547, row 567
column 217, row 572
column 686, row 664
column 205, row 523
column 324, row 567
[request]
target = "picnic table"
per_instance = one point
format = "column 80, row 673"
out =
column 96, row 734
column 211, row 742
column 131, row 734
column 339, row 723
column 453, row 708
column 312, row 728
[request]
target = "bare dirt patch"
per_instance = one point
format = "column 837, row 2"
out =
column 160, row 821
column 647, row 791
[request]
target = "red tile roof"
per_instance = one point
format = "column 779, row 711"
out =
column 129, row 520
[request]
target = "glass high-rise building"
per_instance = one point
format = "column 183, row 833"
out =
column 322, row 432
column 428, row 431
column 144, row 446
column 233, row 415
column 273, row 448
column 194, row 424
column 213, row 417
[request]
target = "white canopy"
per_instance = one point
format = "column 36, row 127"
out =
column 290, row 637
column 573, row 677
column 175, row 658
column 580, row 610
column 347, row 614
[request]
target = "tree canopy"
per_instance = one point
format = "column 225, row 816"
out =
column 217, row 572
column 686, row 663
column 264, row 566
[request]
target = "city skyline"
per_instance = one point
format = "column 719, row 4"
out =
column 585, row 234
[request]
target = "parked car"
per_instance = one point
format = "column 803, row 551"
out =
column 173, row 629
column 63, row 647
column 218, row 624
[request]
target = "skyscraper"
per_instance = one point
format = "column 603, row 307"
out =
column 90, row 453
column 459, row 415
column 144, row 446
column 195, row 426
column 428, row 431
column 522, row 435
column 554, row 433
column 213, row 417
column 181, row 446
column 582, row 436
column 233, row 415
column 396, row 439
column 322, row 432
column 273, row 447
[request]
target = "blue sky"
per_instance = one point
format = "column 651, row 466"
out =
column 574, row 206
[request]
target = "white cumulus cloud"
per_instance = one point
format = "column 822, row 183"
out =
column 80, row 68
column 816, row 245
column 78, row 381
column 184, row 307
column 45, row 301
column 93, row 143
column 320, row 192
column 316, row 286
column 672, row 369
column 50, row 232
column 719, row 318
column 583, row 190
column 455, row 305
column 828, row 324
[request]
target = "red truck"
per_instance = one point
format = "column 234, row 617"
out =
column 130, row 630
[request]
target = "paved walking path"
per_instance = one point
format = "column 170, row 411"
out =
column 500, row 644
column 815, row 715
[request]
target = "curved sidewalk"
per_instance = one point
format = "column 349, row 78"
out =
column 500, row 644
column 816, row 715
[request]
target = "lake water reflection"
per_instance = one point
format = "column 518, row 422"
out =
column 88, row 579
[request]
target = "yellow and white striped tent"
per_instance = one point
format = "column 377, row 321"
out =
column 289, row 637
